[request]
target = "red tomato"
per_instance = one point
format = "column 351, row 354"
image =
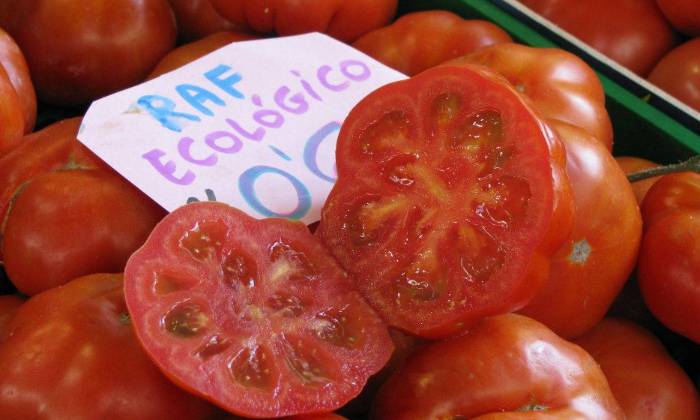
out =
column 683, row 14
column 561, row 85
column 12, row 60
column 107, row 217
column 11, row 116
column 630, row 164
column 451, row 196
column 79, row 51
column 506, row 367
column 669, row 261
column 197, row 19
column 253, row 315
column 341, row 19
column 632, row 32
column 418, row 41
column 72, row 354
column 645, row 380
column 9, row 304
column 594, row 263
column 678, row 73
column 194, row 50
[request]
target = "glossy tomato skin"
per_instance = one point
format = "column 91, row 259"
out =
column 189, row 52
column 560, row 85
column 632, row 32
column 12, row 60
column 669, row 264
column 253, row 315
column 11, row 117
column 72, row 354
column 343, row 20
column 72, row 46
column 197, row 19
column 630, row 164
column 677, row 73
column 595, row 261
column 9, row 304
column 429, row 208
column 505, row 365
column 683, row 14
column 107, row 217
column 420, row 40
column 645, row 380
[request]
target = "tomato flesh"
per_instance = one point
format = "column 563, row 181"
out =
column 252, row 315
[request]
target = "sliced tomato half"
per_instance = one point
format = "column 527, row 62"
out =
column 253, row 315
column 450, row 196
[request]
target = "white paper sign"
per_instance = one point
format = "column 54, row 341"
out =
column 253, row 124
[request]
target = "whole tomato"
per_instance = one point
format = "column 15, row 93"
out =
column 560, row 85
column 12, row 60
column 592, row 266
column 71, row 223
column 72, row 354
column 677, row 73
column 197, row 19
column 645, row 380
column 80, row 50
column 189, row 52
column 420, row 40
column 669, row 261
column 630, row 164
column 506, row 367
column 632, row 32
column 341, row 19
column 683, row 14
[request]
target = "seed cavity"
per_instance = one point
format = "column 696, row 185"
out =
column 389, row 132
column 480, row 254
column 252, row 367
column 290, row 262
column 212, row 346
column 205, row 240
column 285, row 305
column 445, row 107
column 166, row 283
column 239, row 269
column 338, row 327
column 303, row 360
column 186, row 319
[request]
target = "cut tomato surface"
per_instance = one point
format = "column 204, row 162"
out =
column 253, row 315
column 450, row 196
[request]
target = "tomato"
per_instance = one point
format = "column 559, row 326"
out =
column 561, row 85
column 669, row 261
column 12, row 60
column 644, row 379
column 72, row 354
column 9, row 304
column 197, row 19
column 683, row 14
column 630, row 164
column 592, row 266
column 253, row 315
column 418, row 41
column 11, row 117
column 107, row 217
column 194, row 50
column 80, row 51
column 632, row 32
column 506, row 367
column 677, row 73
column 344, row 20
column 451, row 195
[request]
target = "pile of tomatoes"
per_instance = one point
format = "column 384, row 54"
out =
column 467, row 263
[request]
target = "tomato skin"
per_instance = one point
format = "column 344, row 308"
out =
column 412, row 232
column 420, row 40
column 343, row 20
column 189, row 52
column 89, row 364
column 197, row 19
column 645, row 380
column 630, row 164
column 253, row 315
column 669, row 264
column 72, row 46
column 683, row 14
column 595, row 261
column 11, row 117
column 502, row 366
column 9, row 304
column 632, row 32
column 110, row 217
column 677, row 73
column 560, row 85
column 12, row 60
